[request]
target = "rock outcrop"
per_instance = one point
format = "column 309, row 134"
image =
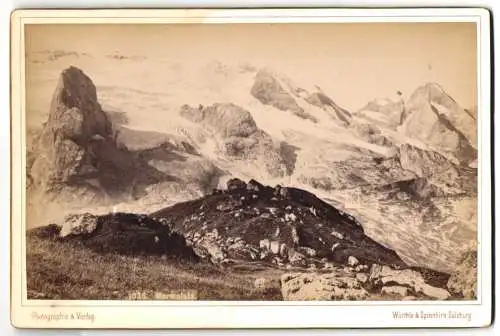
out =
column 384, row 112
column 372, row 134
column 383, row 276
column 357, row 283
column 76, row 157
column 433, row 117
column 464, row 280
column 268, row 90
column 446, row 176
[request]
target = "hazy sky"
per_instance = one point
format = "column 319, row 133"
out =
column 352, row 62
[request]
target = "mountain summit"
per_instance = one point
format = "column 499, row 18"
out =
column 435, row 118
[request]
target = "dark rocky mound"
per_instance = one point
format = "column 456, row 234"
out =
column 122, row 233
column 77, row 156
column 268, row 90
column 284, row 225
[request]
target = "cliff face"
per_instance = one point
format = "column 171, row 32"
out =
column 448, row 177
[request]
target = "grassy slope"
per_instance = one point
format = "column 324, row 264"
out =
column 66, row 271
column 69, row 271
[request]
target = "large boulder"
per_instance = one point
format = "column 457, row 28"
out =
column 227, row 119
column 395, row 291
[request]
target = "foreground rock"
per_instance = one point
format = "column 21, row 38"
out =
column 464, row 281
column 121, row 233
column 79, row 224
column 445, row 177
column 268, row 90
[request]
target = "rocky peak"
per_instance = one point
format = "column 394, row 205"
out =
column 75, row 111
column 269, row 91
column 387, row 112
column 433, row 89
column 77, row 157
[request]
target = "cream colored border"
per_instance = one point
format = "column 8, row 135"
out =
column 126, row 314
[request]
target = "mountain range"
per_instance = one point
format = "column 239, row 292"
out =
column 399, row 174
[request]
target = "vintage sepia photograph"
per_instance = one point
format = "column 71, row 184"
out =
column 258, row 162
